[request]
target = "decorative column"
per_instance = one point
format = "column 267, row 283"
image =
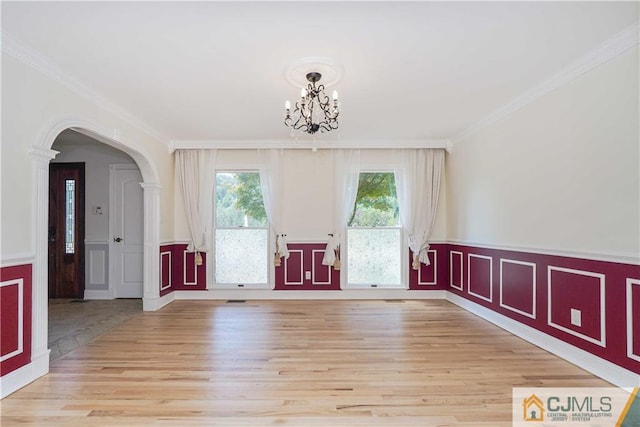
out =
column 40, row 293
column 151, row 280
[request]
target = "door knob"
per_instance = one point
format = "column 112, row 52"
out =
column 117, row 239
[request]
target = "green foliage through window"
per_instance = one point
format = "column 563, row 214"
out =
column 376, row 203
column 239, row 200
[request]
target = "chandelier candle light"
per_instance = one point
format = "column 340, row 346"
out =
column 314, row 111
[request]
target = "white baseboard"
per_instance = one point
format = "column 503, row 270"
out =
column 153, row 304
column 602, row 368
column 95, row 294
column 267, row 294
column 19, row 378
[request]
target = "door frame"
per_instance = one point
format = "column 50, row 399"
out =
column 112, row 193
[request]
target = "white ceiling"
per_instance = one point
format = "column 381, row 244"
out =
column 216, row 70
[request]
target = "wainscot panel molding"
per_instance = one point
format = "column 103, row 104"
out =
column 16, row 289
column 97, row 271
column 434, row 276
column 604, row 369
column 633, row 319
column 178, row 269
column 585, row 303
column 304, row 271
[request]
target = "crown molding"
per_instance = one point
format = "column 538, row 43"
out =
column 616, row 45
column 40, row 63
column 306, row 145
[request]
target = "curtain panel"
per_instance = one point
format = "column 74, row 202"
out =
column 346, row 173
column 272, row 191
column 418, row 174
column 196, row 178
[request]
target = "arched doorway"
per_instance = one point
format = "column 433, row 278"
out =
column 95, row 277
column 42, row 155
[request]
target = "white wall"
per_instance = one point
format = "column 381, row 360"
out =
column 31, row 103
column 562, row 173
column 308, row 197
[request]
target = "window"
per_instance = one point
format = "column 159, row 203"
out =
column 374, row 235
column 241, row 237
column 69, row 217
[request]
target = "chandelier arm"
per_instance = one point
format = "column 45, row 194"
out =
column 297, row 125
column 300, row 117
column 323, row 99
column 327, row 110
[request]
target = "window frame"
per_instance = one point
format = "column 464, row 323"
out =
column 404, row 254
column 215, row 228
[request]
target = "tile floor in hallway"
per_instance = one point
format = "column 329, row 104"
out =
column 73, row 323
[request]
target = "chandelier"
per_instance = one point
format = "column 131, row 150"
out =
column 314, row 110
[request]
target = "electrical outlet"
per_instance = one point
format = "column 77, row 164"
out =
column 576, row 317
column 307, row 275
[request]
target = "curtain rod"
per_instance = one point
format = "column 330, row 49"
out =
column 307, row 145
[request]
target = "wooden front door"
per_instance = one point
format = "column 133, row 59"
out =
column 66, row 230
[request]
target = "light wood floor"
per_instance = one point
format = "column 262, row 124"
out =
column 293, row 363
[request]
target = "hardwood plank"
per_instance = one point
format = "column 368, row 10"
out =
column 294, row 363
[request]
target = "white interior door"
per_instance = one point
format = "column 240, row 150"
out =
column 126, row 231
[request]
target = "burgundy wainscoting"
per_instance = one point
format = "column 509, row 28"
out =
column 456, row 270
column 15, row 317
column 304, row 269
column 517, row 287
column 581, row 292
column 434, row 276
column 593, row 305
column 633, row 319
column 480, row 283
column 166, row 267
column 178, row 269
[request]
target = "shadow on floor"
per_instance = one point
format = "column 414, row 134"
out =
column 73, row 323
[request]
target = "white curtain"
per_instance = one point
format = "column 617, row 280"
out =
column 418, row 174
column 346, row 173
column 196, row 177
column 272, row 190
